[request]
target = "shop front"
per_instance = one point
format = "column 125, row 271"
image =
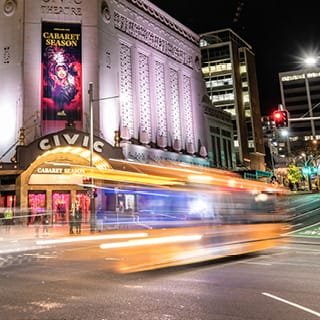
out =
column 46, row 184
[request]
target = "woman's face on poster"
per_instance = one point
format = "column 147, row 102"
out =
column 61, row 72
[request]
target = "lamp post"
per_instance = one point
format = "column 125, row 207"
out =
column 92, row 209
column 92, row 195
column 272, row 159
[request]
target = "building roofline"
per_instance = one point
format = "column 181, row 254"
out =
column 299, row 71
column 224, row 30
column 166, row 19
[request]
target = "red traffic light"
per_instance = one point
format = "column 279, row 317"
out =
column 280, row 117
column 277, row 116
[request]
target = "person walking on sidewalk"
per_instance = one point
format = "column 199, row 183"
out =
column 78, row 218
column 71, row 219
column 37, row 223
column 45, row 224
column 100, row 218
column 8, row 218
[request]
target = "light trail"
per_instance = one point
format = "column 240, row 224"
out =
column 143, row 242
column 93, row 238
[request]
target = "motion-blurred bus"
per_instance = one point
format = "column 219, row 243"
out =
column 185, row 214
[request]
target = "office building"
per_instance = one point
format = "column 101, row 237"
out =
column 300, row 95
column 228, row 66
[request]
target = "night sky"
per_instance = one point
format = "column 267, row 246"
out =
column 280, row 32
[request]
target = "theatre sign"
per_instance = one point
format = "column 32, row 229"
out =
column 49, row 174
column 70, row 139
column 59, row 140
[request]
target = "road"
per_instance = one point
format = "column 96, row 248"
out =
column 72, row 281
column 305, row 211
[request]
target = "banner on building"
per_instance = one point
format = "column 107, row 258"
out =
column 61, row 99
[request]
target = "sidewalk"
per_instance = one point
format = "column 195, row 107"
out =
column 22, row 238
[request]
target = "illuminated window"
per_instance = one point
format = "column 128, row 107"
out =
column 243, row 69
column 245, row 97
column 245, row 84
column 219, row 82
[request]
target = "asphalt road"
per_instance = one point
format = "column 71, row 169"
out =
column 73, row 283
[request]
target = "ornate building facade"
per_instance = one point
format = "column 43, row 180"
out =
column 123, row 69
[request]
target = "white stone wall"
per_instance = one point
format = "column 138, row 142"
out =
column 155, row 72
column 11, row 88
column 145, row 76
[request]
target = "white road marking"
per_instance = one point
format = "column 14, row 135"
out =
column 257, row 263
column 291, row 303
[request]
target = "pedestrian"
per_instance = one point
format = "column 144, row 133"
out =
column 1, row 218
column 100, row 217
column 71, row 219
column 29, row 216
column 37, row 223
column 78, row 218
column 45, row 223
column 8, row 218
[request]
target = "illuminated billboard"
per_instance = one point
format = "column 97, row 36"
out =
column 61, row 98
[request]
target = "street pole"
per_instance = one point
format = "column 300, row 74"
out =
column 271, row 156
column 92, row 209
column 92, row 195
column 308, row 168
column 309, row 180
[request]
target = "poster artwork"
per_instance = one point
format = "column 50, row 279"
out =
column 61, row 72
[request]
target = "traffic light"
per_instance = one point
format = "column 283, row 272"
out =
column 280, row 118
column 306, row 170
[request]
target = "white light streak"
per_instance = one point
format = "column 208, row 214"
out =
column 93, row 238
column 151, row 241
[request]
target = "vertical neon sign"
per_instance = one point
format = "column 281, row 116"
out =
column 61, row 98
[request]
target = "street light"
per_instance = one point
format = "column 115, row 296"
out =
column 311, row 61
column 92, row 189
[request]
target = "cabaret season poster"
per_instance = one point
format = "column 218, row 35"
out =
column 61, row 72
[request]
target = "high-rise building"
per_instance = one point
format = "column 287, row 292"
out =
column 142, row 70
column 228, row 66
column 300, row 95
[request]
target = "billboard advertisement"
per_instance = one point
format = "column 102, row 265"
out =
column 61, row 98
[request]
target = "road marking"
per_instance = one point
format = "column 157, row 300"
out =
column 297, row 224
column 133, row 286
column 258, row 263
column 304, row 228
column 303, row 250
column 292, row 304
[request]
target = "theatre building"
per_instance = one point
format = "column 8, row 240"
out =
column 86, row 81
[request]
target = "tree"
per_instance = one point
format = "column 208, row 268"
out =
column 294, row 174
